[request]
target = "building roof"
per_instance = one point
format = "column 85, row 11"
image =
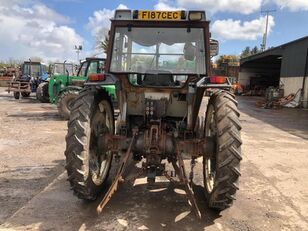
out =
column 275, row 51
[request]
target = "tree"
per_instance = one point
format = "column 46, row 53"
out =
column 246, row 52
column 101, row 41
column 103, row 44
column 254, row 50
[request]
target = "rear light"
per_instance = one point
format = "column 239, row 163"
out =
column 96, row 77
column 218, row 79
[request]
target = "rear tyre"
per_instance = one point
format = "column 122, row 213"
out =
column 65, row 103
column 88, row 160
column 25, row 94
column 16, row 95
column 42, row 92
column 221, row 168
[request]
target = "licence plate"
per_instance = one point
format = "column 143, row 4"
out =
column 159, row 15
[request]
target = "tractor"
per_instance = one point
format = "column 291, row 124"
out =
column 159, row 62
column 57, row 71
column 64, row 87
column 32, row 74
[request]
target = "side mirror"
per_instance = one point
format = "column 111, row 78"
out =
column 214, row 47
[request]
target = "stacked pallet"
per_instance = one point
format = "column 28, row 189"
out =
column 7, row 74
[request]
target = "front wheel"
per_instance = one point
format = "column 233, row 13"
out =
column 221, row 168
column 65, row 102
column 42, row 92
column 88, row 159
column 16, row 95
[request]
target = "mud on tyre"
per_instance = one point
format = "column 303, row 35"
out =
column 221, row 168
column 87, row 161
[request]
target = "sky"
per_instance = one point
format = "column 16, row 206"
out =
column 51, row 28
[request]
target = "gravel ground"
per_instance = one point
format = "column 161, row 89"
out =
column 34, row 193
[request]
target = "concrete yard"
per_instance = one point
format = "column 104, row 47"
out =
column 34, row 193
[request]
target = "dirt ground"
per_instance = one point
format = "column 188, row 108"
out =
column 34, row 193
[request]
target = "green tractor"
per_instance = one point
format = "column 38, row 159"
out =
column 58, row 71
column 64, row 87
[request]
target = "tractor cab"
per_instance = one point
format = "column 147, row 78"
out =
column 91, row 66
column 33, row 71
column 62, row 69
column 159, row 49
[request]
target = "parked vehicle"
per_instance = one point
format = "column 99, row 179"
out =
column 64, row 87
column 159, row 62
column 32, row 74
column 61, row 75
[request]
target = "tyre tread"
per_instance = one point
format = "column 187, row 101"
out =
column 76, row 146
column 229, row 150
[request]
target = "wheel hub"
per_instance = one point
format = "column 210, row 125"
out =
column 100, row 157
column 210, row 158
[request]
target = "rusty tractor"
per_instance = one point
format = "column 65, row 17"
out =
column 159, row 62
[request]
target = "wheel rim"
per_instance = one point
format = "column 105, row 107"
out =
column 210, row 158
column 100, row 157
